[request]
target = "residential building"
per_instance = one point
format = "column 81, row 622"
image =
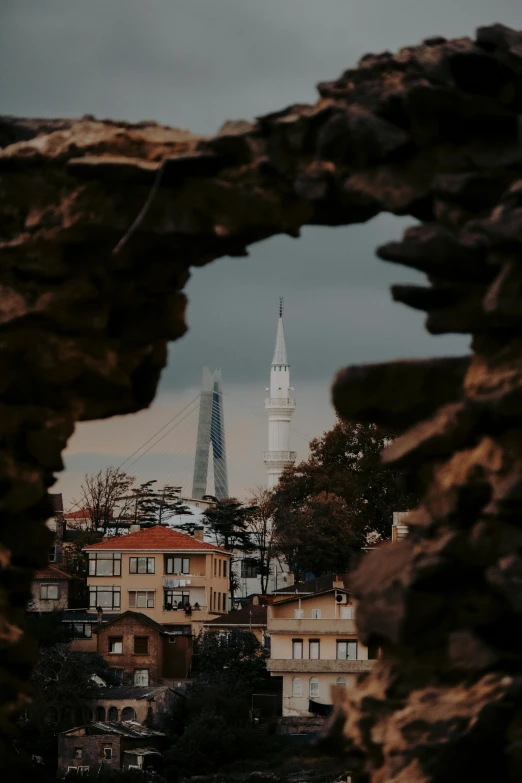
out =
column 145, row 704
column 314, row 646
column 142, row 652
column 158, row 572
column 51, row 589
column 108, row 745
column 83, row 626
column 251, row 617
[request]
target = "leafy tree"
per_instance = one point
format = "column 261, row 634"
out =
column 346, row 463
column 317, row 538
column 229, row 520
column 105, row 496
column 237, row 655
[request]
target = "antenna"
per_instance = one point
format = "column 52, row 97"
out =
column 281, row 301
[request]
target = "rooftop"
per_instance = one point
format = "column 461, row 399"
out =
column 317, row 585
column 128, row 728
column 130, row 692
column 156, row 538
column 249, row 614
column 52, row 572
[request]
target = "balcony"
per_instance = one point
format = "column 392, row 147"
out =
column 279, row 402
column 279, row 456
column 285, row 625
column 321, row 666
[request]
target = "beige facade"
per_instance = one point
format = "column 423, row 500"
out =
column 50, row 590
column 314, row 647
column 158, row 575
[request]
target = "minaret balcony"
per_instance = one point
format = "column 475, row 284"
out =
column 279, row 402
column 279, row 456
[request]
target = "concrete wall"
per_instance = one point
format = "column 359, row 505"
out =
column 294, row 705
column 92, row 752
column 160, row 704
column 48, row 605
column 202, row 588
column 128, row 627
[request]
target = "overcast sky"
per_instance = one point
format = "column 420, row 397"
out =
column 195, row 64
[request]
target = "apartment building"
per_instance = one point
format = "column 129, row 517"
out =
column 315, row 646
column 159, row 572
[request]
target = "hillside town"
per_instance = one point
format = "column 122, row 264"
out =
column 157, row 611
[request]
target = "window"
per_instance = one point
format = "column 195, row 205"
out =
column 314, row 688
column 346, row 651
column 219, row 602
column 297, row 687
column 314, row 649
column 225, row 568
column 141, row 677
column 117, row 674
column 128, row 713
column 297, row 648
column 82, row 630
column 341, row 682
column 175, row 599
column 177, row 565
column 52, row 554
column 104, row 563
column 249, row 569
column 78, row 753
column 219, row 567
column 316, row 614
column 142, row 565
column 112, row 714
column 107, row 752
column 141, row 599
column 215, row 567
column 224, row 602
column 83, row 770
column 106, row 597
column 116, row 644
column 298, row 614
column 49, row 592
column 141, row 645
column 347, row 612
column 100, row 713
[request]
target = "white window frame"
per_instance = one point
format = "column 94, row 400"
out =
column 314, row 645
column 105, row 756
column 341, row 682
column 297, row 645
column 298, row 614
column 118, row 642
column 44, row 592
column 137, row 677
column 347, row 643
column 348, row 612
column 316, row 614
column 297, row 687
column 314, row 688
column 142, row 599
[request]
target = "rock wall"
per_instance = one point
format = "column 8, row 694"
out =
column 99, row 225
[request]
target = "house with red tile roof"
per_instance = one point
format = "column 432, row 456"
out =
column 50, row 588
column 171, row 577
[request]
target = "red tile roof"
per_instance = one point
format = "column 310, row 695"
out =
column 251, row 613
column 52, row 572
column 83, row 513
column 155, row 538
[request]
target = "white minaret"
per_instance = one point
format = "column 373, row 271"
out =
column 279, row 407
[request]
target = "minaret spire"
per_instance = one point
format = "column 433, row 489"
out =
column 279, row 407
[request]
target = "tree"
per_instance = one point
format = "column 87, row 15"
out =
column 238, row 655
column 317, row 538
column 228, row 521
column 169, row 503
column 262, row 532
column 105, row 496
column 48, row 628
column 346, row 463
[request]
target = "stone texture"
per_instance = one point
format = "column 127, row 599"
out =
column 100, row 223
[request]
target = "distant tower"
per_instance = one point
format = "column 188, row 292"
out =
column 211, row 429
column 279, row 407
